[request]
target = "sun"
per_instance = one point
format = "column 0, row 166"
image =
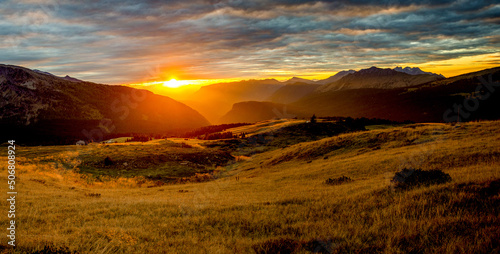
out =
column 173, row 83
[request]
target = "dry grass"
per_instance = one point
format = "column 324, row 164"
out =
column 280, row 201
column 154, row 159
column 264, row 126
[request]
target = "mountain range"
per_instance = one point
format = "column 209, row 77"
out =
column 37, row 105
column 378, row 78
column 42, row 103
column 335, row 77
column 261, row 110
column 214, row 101
column 392, row 95
column 415, row 71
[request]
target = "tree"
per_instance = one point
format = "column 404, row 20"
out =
column 313, row 118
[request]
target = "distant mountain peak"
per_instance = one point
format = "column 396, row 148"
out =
column 72, row 79
column 376, row 71
column 414, row 71
column 298, row 80
column 349, row 71
column 43, row 72
column 335, row 77
column 378, row 78
column 67, row 77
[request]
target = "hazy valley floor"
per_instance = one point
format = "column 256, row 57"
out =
column 278, row 200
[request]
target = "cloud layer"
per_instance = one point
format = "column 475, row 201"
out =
column 135, row 41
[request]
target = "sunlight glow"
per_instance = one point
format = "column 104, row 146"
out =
column 461, row 65
column 173, row 83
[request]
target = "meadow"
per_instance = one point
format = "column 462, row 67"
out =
column 274, row 201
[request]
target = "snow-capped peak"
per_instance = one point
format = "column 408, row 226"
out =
column 414, row 71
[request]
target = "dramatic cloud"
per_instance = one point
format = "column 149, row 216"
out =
column 136, row 41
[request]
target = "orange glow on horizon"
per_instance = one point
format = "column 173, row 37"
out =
column 448, row 68
column 173, row 83
column 461, row 65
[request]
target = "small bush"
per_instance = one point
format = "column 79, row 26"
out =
column 108, row 161
column 38, row 180
column 409, row 178
column 47, row 249
column 93, row 195
column 287, row 245
column 282, row 246
column 339, row 180
column 54, row 250
column 139, row 138
column 184, row 145
column 319, row 246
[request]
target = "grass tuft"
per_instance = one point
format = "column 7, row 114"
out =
column 410, row 178
column 108, row 161
column 46, row 249
column 339, row 180
column 281, row 246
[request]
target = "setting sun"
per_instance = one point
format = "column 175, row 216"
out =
column 173, row 83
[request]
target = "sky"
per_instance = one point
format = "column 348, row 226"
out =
column 125, row 42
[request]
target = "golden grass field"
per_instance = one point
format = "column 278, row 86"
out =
column 264, row 126
column 273, row 201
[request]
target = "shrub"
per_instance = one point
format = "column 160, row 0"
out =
column 222, row 135
column 339, row 180
column 287, row 245
column 139, row 138
column 211, row 129
column 47, row 249
column 93, row 195
column 319, row 246
column 184, row 145
column 108, row 161
column 282, row 245
column 409, row 178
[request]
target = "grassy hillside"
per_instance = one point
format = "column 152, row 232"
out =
column 278, row 200
column 264, row 126
column 158, row 159
column 280, row 135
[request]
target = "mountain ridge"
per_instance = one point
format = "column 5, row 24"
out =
column 433, row 101
column 374, row 77
column 295, row 80
column 293, row 92
column 213, row 101
column 39, row 102
column 415, row 71
column 335, row 77
column 261, row 110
